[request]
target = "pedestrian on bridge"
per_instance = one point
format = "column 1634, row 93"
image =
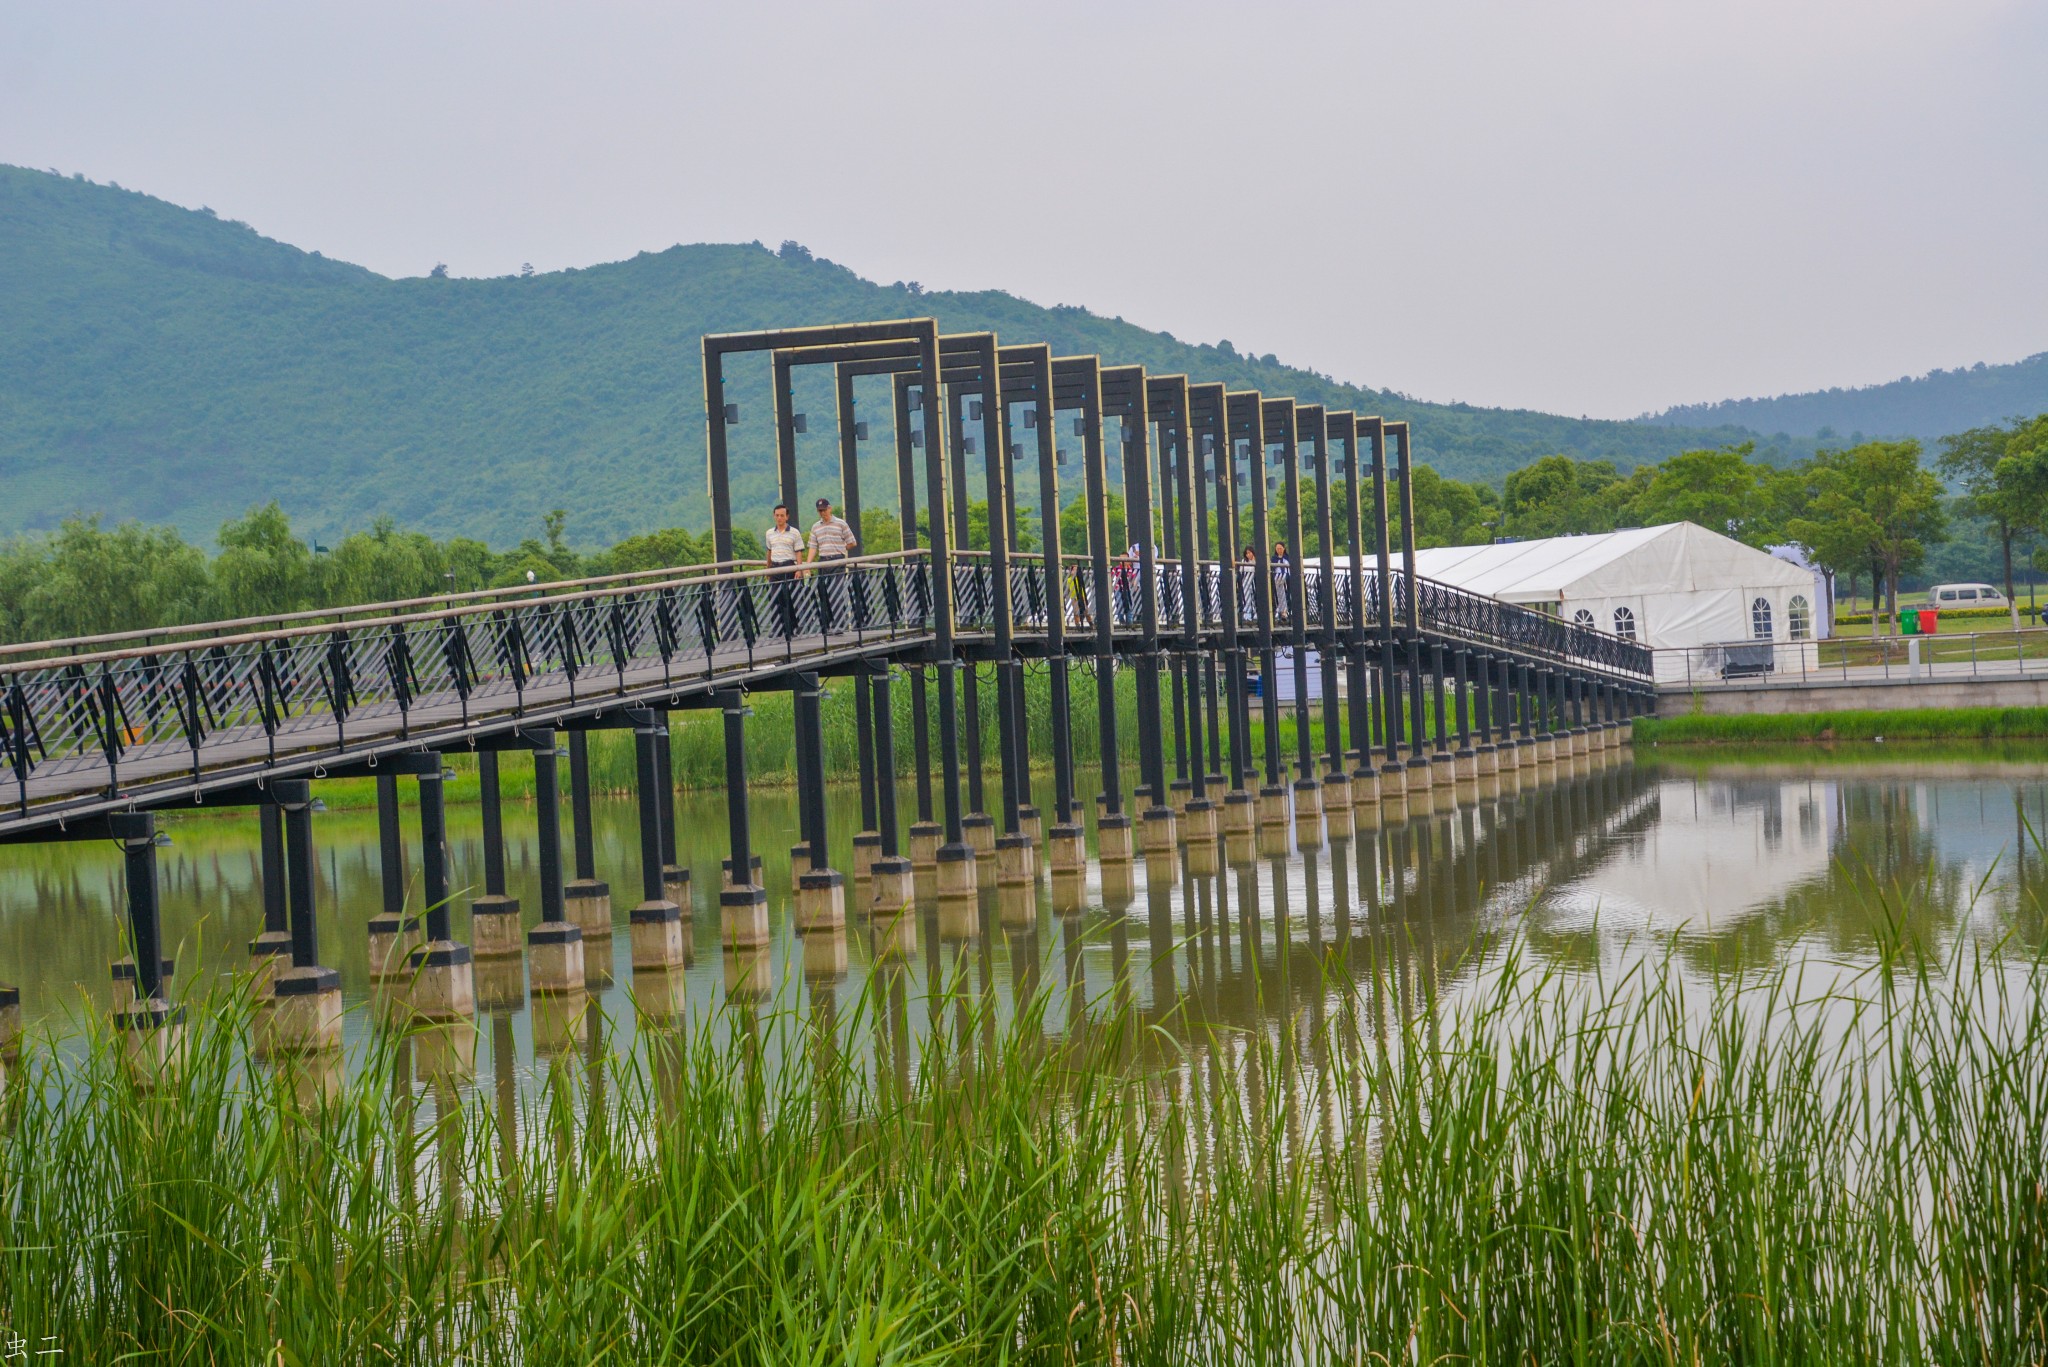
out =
column 831, row 541
column 785, row 555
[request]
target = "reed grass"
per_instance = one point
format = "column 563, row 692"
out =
column 1488, row 1161
column 1925, row 723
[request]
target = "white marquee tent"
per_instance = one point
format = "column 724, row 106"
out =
column 1678, row 585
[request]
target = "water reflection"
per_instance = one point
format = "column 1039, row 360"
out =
column 1736, row 865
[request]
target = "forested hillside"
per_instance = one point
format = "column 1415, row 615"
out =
column 165, row 364
column 1928, row 407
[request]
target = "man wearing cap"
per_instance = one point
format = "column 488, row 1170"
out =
column 831, row 540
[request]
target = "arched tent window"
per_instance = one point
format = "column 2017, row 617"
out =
column 1625, row 623
column 1798, row 619
column 1760, row 619
column 1583, row 618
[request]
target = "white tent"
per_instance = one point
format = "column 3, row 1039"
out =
column 1678, row 585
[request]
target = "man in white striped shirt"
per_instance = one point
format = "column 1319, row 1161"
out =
column 831, row 541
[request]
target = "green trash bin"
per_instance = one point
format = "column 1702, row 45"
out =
column 1909, row 621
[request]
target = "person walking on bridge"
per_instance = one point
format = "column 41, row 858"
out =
column 831, row 541
column 785, row 554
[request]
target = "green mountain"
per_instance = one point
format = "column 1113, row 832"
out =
column 1926, row 406
column 165, row 364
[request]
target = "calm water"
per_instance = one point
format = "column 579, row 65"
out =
column 1732, row 863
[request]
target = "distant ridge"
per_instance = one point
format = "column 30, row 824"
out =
column 168, row 364
column 1926, row 406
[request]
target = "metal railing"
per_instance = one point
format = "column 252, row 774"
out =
column 71, row 720
column 1952, row 657
column 1442, row 609
column 86, row 715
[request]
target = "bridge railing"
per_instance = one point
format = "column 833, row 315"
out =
column 249, row 697
column 1443, row 609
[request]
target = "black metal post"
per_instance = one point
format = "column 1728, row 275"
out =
column 434, row 852
column 547, row 802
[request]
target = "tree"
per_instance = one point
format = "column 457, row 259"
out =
column 1718, row 489
column 262, row 568
column 1874, row 504
column 2001, row 478
column 1449, row 512
column 1558, row 496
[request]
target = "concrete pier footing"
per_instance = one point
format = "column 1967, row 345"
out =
column 442, row 985
column 122, row 974
column 979, row 830
column 554, row 958
column 1337, row 795
column 958, row 876
column 303, row 1014
column 867, row 848
column 10, row 1021
column 1067, row 849
column 820, row 901
column 1113, row 844
column 657, row 931
column 1161, row 831
column 892, row 886
column 392, row 941
column 725, row 873
column 743, row 917
column 270, row 953
column 1239, row 812
column 1199, row 824
column 1015, row 866
column 494, row 929
column 587, row 903
column 675, row 886
column 925, row 837
column 152, row 1035
column 1031, row 824
column 1272, row 805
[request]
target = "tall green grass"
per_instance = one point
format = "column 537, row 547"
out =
column 1419, row 1162
column 1927, row 723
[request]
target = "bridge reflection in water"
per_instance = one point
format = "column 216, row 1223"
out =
column 1405, row 693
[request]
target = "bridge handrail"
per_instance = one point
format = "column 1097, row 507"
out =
column 724, row 572
column 661, row 577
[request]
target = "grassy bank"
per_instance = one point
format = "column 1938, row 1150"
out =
column 1634, row 1168
column 1917, row 724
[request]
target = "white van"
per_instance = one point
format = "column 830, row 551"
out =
column 1964, row 596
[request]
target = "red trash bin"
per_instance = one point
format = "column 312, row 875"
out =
column 1929, row 617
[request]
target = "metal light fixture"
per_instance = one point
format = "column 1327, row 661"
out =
column 732, row 414
column 967, row 445
column 1081, row 427
column 917, row 438
column 860, row 431
column 801, row 422
column 974, row 410
column 1030, row 418
column 1016, row 450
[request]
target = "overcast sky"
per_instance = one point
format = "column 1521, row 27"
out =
column 1581, row 207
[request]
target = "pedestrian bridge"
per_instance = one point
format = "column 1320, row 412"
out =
column 1426, row 689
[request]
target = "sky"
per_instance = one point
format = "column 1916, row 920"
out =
column 1582, row 206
